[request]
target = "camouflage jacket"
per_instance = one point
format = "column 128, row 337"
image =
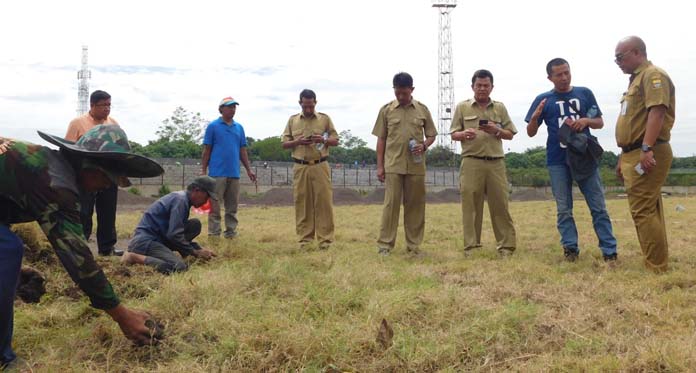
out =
column 38, row 184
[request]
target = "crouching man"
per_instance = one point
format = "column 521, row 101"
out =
column 166, row 227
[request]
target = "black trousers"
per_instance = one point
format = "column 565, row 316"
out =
column 105, row 203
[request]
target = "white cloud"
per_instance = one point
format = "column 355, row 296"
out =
column 154, row 55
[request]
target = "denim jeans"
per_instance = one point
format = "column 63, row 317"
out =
column 591, row 188
column 11, row 251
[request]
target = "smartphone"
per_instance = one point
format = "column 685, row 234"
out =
column 483, row 122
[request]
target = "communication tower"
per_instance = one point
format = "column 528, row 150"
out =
column 83, row 77
column 445, row 84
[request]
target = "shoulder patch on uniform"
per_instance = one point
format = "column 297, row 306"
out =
column 656, row 83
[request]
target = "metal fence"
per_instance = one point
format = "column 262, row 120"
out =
column 180, row 172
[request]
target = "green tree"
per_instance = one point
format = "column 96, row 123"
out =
column 182, row 125
column 516, row 160
column 348, row 141
column 442, row 156
column 269, row 149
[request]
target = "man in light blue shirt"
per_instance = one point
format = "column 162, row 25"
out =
column 224, row 146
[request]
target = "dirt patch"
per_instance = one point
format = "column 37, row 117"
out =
column 533, row 194
column 273, row 197
column 345, row 196
column 443, row 196
column 376, row 197
column 341, row 196
column 131, row 200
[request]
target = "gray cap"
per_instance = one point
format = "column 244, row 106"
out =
column 207, row 184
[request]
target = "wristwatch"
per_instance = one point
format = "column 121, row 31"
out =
column 645, row 148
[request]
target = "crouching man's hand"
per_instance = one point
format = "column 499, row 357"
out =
column 138, row 326
column 203, row 253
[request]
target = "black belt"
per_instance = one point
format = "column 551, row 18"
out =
column 637, row 145
column 302, row 161
column 484, row 158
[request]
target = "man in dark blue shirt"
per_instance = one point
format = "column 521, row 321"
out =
column 165, row 227
column 575, row 107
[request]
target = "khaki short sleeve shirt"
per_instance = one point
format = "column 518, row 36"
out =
column 467, row 115
column 650, row 86
column 398, row 124
column 316, row 124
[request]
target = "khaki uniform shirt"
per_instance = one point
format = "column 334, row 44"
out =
column 649, row 86
column 467, row 115
column 399, row 124
column 84, row 123
column 316, row 124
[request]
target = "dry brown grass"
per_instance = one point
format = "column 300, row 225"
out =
column 263, row 305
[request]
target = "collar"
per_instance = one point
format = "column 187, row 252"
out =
column 474, row 103
column 225, row 123
column 395, row 104
column 304, row 116
column 644, row 65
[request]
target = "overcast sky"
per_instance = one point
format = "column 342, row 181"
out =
column 153, row 56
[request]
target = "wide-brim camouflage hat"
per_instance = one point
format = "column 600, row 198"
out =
column 108, row 146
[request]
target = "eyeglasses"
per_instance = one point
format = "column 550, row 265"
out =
column 619, row 57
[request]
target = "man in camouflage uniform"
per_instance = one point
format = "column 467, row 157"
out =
column 40, row 184
column 309, row 135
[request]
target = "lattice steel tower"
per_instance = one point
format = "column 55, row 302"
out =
column 445, row 84
column 83, row 77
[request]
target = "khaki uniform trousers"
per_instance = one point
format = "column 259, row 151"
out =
column 645, row 200
column 479, row 178
column 313, row 203
column 227, row 189
column 411, row 190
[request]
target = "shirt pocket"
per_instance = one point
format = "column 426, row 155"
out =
column 393, row 124
column 471, row 121
column 296, row 132
column 630, row 102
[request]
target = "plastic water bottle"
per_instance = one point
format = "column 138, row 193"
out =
column 320, row 145
column 417, row 158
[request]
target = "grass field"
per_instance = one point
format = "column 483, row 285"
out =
column 264, row 305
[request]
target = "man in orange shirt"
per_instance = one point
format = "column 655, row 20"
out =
column 105, row 201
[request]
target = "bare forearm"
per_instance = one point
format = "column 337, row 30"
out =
column 458, row 136
column 429, row 141
column 205, row 158
column 596, row 123
column 505, row 134
column 656, row 118
column 532, row 127
column 244, row 157
column 381, row 146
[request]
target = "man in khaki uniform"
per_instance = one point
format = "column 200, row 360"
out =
column 643, row 132
column 401, row 166
column 309, row 134
column 481, row 124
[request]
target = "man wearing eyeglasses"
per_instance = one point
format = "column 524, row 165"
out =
column 643, row 133
column 105, row 201
column 576, row 108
